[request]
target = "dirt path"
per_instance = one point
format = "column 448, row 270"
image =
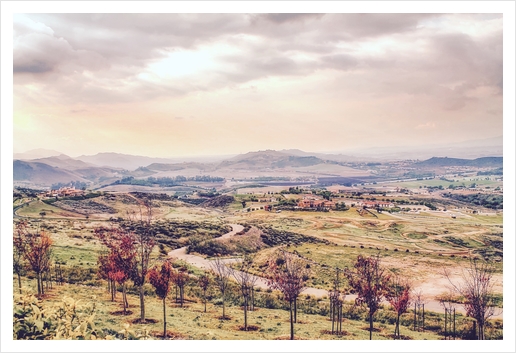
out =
column 428, row 287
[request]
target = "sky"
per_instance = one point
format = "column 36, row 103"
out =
column 170, row 85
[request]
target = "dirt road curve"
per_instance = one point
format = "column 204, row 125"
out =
column 203, row 263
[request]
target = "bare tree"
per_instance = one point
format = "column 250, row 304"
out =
column 222, row 274
column 145, row 243
column 477, row 289
column 447, row 301
column 246, row 282
column 337, row 297
column 287, row 273
column 18, row 252
column 204, row 282
column 370, row 282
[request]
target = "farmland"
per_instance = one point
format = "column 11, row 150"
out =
column 415, row 243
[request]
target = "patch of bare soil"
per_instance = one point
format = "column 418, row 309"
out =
column 401, row 337
column 121, row 313
column 144, row 322
column 249, row 328
column 171, row 335
column 287, row 338
column 227, row 318
column 343, row 333
column 375, row 329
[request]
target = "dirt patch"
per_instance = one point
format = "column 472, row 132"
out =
column 171, row 335
column 287, row 338
column 144, row 322
column 402, row 337
column 375, row 329
column 226, row 318
column 343, row 333
column 249, row 328
column 121, row 313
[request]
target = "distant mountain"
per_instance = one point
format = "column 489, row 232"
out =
column 470, row 149
column 119, row 160
column 483, row 162
column 37, row 153
column 64, row 162
column 43, row 174
column 269, row 159
column 164, row 167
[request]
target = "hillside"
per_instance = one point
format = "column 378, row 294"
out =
column 483, row 162
column 43, row 174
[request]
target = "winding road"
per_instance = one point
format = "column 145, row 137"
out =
column 201, row 262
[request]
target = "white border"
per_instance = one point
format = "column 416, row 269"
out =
column 505, row 7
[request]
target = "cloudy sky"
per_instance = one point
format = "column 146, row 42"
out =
column 169, row 85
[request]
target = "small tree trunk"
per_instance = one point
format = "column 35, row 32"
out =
column 423, row 325
column 204, row 300
column 142, row 305
column 398, row 326
column 164, row 319
column 223, row 306
column 332, row 315
column 370, row 326
column 340, row 319
column 245, row 313
column 19, row 282
column 124, row 298
column 291, row 322
column 295, row 310
column 38, row 280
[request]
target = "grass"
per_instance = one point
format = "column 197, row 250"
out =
column 353, row 235
column 192, row 323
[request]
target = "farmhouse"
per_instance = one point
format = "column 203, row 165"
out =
column 375, row 204
column 311, row 203
column 64, row 191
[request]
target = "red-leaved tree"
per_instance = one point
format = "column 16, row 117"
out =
column 120, row 261
column 287, row 273
column 370, row 282
column 180, row 278
column 36, row 248
column 399, row 297
column 160, row 277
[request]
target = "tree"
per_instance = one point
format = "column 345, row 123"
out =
column 36, row 248
column 160, row 279
column 398, row 295
column 180, row 277
column 204, row 282
column 145, row 243
column 370, row 283
column 477, row 289
column 246, row 282
column 18, row 253
column 337, row 297
column 222, row 274
column 119, row 264
column 288, row 274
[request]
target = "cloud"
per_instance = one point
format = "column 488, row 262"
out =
column 394, row 66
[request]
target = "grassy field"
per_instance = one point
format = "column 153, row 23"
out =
column 416, row 246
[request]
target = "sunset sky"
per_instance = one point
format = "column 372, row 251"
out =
column 168, row 85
